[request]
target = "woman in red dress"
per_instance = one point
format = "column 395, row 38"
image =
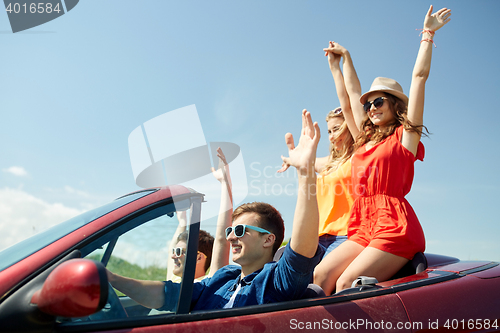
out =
column 384, row 232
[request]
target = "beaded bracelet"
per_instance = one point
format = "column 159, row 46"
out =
column 428, row 40
column 430, row 32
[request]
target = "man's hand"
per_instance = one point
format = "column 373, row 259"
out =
column 303, row 155
column 223, row 167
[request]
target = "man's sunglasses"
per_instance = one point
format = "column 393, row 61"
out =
column 377, row 102
column 240, row 229
column 178, row 251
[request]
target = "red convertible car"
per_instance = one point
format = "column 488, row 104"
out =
column 56, row 281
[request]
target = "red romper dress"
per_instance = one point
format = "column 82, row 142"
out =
column 381, row 217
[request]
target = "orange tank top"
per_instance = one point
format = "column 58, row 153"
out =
column 334, row 195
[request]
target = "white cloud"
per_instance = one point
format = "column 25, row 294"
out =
column 71, row 190
column 16, row 171
column 73, row 197
column 23, row 215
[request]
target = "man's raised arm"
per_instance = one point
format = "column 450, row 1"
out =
column 306, row 218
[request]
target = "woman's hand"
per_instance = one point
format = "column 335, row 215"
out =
column 335, row 48
column 284, row 167
column 333, row 58
column 436, row 21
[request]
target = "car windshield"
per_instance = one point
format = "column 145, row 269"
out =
column 21, row 250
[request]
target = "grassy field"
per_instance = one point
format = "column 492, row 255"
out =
column 124, row 268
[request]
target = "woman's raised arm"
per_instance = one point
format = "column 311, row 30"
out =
column 432, row 23
column 352, row 86
column 342, row 94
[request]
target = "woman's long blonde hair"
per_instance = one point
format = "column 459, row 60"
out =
column 338, row 157
column 371, row 132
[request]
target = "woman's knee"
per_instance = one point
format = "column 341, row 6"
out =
column 320, row 275
column 343, row 282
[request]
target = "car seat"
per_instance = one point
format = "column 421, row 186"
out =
column 279, row 253
column 417, row 265
column 313, row 290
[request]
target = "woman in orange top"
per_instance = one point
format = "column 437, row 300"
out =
column 334, row 186
column 384, row 232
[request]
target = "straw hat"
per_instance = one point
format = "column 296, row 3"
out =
column 389, row 86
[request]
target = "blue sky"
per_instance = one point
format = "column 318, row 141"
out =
column 73, row 89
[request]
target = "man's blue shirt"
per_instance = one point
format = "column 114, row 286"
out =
column 284, row 280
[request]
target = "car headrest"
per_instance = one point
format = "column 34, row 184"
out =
column 279, row 253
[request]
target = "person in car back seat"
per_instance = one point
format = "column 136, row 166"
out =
column 177, row 260
column 256, row 233
column 207, row 247
column 384, row 231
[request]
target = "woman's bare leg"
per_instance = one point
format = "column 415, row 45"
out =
column 329, row 269
column 371, row 262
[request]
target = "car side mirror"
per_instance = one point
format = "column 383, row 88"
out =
column 76, row 288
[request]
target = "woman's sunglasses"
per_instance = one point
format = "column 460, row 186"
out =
column 377, row 102
column 240, row 229
column 178, row 251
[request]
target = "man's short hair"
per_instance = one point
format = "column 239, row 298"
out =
column 205, row 244
column 269, row 219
